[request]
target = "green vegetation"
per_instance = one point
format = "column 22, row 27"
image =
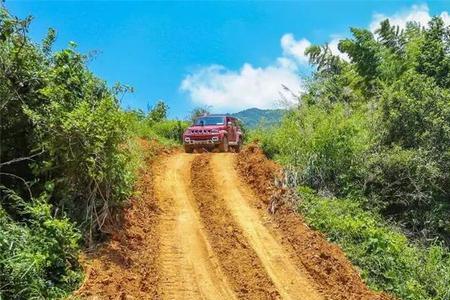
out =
column 369, row 145
column 69, row 159
column 387, row 260
column 254, row 117
column 371, row 138
column 155, row 126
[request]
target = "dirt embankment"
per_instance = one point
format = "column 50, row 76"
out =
column 126, row 265
column 325, row 262
column 198, row 228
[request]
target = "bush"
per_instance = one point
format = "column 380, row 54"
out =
column 170, row 129
column 415, row 113
column 406, row 185
column 65, row 165
column 386, row 259
column 325, row 148
column 79, row 129
column 402, row 178
column 38, row 256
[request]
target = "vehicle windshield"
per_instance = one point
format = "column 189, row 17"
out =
column 204, row 121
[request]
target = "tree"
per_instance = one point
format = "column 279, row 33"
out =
column 198, row 112
column 363, row 51
column 323, row 59
column 158, row 112
column 434, row 58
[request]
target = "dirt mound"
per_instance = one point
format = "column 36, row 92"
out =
column 258, row 171
column 325, row 262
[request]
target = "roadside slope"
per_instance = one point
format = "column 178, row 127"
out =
column 325, row 262
column 126, row 265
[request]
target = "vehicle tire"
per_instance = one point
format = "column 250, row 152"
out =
column 223, row 147
column 238, row 147
column 188, row 149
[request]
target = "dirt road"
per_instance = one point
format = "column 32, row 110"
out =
column 207, row 237
column 189, row 267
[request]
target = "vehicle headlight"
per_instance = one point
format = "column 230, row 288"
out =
column 214, row 131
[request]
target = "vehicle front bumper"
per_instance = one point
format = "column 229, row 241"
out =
column 214, row 140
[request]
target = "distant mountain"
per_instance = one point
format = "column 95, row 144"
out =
column 253, row 117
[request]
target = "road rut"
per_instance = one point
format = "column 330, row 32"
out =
column 291, row 282
column 189, row 268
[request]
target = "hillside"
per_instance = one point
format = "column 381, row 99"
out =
column 253, row 117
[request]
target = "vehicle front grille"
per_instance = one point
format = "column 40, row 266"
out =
column 201, row 131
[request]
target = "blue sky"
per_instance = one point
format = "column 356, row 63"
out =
column 227, row 55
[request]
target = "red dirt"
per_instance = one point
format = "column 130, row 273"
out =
column 238, row 260
column 324, row 261
column 125, row 267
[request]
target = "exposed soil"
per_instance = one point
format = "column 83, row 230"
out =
column 188, row 266
column 324, row 261
column 198, row 228
column 238, row 260
column 125, row 267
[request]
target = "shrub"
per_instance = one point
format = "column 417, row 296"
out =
column 65, row 162
column 164, row 130
column 265, row 138
column 415, row 113
column 406, row 185
column 79, row 130
column 387, row 260
column 170, row 129
column 324, row 147
column 38, row 256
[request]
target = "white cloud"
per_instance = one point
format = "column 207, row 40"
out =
column 445, row 17
column 233, row 90
column 417, row 13
column 293, row 48
column 230, row 90
column 250, row 86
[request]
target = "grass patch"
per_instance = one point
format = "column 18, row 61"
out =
column 386, row 259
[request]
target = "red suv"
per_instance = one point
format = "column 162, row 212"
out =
column 213, row 131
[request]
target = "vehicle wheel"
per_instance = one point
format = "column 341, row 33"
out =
column 223, row 147
column 238, row 147
column 188, row 149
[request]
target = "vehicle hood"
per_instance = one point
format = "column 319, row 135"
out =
column 206, row 127
column 195, row 129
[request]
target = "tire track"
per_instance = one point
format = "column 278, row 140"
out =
column 188, row 266
column 238, row 260
column 291, row 282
